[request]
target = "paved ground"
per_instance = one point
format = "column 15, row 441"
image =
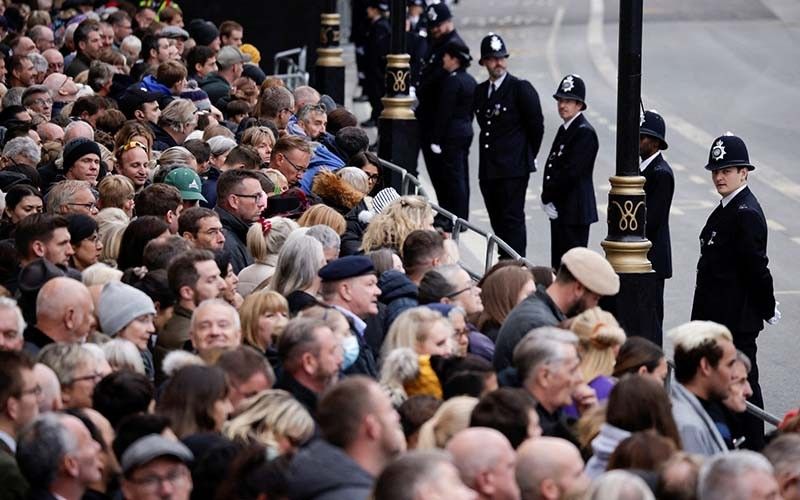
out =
column 708, row 66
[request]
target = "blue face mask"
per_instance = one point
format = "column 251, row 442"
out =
column 351, row 350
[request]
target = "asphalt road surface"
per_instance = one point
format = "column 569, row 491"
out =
column 708, row 67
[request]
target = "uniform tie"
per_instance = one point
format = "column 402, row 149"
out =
column 492, row 88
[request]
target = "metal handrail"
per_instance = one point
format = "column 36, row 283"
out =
column 295, row 72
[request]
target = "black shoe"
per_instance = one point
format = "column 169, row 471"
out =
column 361, row 98
column 369, row 123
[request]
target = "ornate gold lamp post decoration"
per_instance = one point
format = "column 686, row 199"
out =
column 329, row 70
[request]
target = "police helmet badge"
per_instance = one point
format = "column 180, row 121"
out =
column 432, row 15
column 495, row 43
column 641, row 118
column 718, row 151
column 568, row 84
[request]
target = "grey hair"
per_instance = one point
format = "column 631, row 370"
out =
column 63, row 192
column 541, row 346
column 720, row 477
column 619, row 485
column 64, row 359
column 133, row 43
column 123, row 354
column 23, row 146
column 41, row 446
column 216, row 302
column 13, row 97
column 30, row 92
column 7, row 303
column 325, row 235
column 100, row 274
column 176, row 155
column 298, row 264
column 449, row 272
column 784, row 453
column 220, row 145
column 71, row 131
column 402, row 478
column 355, row 177
column 178, row 114
column 744, row 359
column 100, row 74
column 39, row 62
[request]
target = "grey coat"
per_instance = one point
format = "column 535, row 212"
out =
column 698, row 432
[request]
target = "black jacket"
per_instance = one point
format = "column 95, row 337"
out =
column 398, row 292
column 568, row 173
column 301, row 393
column 162, row 140
column 454, row 112
column 376, row 48
column 351, row 239
column 538, row 309
column 659, row 188
column 235, row 230
column 512, row 127
column 734, row 284
column 322, row 471
column 431, row 80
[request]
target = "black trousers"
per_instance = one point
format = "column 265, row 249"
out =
column 564, row 237
column 659, row 306
column 753, row 426
column 505, row 203
column 449, row 173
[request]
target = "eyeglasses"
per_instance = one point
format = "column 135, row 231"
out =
column 87, row 206
column 374, row 177
column 133, row 144
column 151, row 483
column 472, row 286
column 42, row 101
column 94, row 377
column 255, row 197
column 300, row 170
column 35, row 390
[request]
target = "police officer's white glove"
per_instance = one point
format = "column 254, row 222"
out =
column 774, row 320
column 549, row 210
column 437, row 149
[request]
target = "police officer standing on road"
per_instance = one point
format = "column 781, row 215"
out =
column 452, row 135
column 567, row 188
column 659, row 187
column 379, row 36
column 441, row 31
column 510, row 117
column 734, row 284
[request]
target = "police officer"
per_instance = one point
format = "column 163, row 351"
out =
column 376, row 47
column 441, row 31
column 416, row 19
column 659, row 187
column 567, row 189
column 452, row 135
column 734, row 284
column 358, row 37
column 510, row 117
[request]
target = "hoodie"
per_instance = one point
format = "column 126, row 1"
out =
column 322, row 471
column 398, row 293
column 603, row 446
column 322, row 157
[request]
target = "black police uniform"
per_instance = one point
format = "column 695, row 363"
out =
column 512, row 127
column 734, row 284
column 659, row 188
column 358, row 37
column 567, row 182
column 376, row 47
column 452, row 132
column 432, row 76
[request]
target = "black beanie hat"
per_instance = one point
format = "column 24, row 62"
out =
column 80, row 227
column 77, row 148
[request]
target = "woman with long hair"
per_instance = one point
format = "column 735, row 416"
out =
column 500, row 293
column 195, row 399
column 296, row 276
column 264, row 314
column 264, row 240
column 389, row 228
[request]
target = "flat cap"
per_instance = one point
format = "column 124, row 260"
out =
column 592, row 270
column 347, row 267
column 153, row 446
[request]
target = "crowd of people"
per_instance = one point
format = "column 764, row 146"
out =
column 209, row 290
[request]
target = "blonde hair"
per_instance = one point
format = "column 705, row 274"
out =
column 691, row 335
column 598, row 334
column 115, row 191
column 451, row 418
column 410, row 329
column 123, row 354
column 254, row 306
column 276, row 177
column 269, row 416
column 355, row 177
column 323, row 214
column 261, row 246
column 111, row 237
column 254, row 136
column 100, row 274
column 389, row 228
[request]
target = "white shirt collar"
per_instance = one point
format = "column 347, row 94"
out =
column 359, row 324
column 497, row 82
column 648, row 161
column 727, row 199
column 567, row 124
column 9, row 441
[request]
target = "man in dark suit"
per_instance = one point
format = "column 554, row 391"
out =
column 567, row 188
column 510, row 117
column 18, row 407
column 376, row 48
column 441, row 32
column 734, row 284
column 659, row 187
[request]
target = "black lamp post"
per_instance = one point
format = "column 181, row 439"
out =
column 329, row 70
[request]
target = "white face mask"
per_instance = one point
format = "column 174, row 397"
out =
column 351, row 350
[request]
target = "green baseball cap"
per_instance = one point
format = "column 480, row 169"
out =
column 188, row 183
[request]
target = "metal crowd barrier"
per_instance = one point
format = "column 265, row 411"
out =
column 409, row 184
column 290, row 66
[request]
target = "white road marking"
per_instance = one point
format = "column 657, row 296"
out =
column 775, row 225
column 676, row 211
column 697, row 179
column 678, row 167
column 796, row 240
column 550, row 48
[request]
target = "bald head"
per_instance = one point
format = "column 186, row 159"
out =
column 304, row 95
column 49, row 131
column 78, row 129
column 485, row 461
column 64, row 310
column 549, row 467
column 51, row 389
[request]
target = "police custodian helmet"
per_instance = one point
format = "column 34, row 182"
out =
column 572, row 87
column 493, row 46
column 652, row 124
column 728, row 151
